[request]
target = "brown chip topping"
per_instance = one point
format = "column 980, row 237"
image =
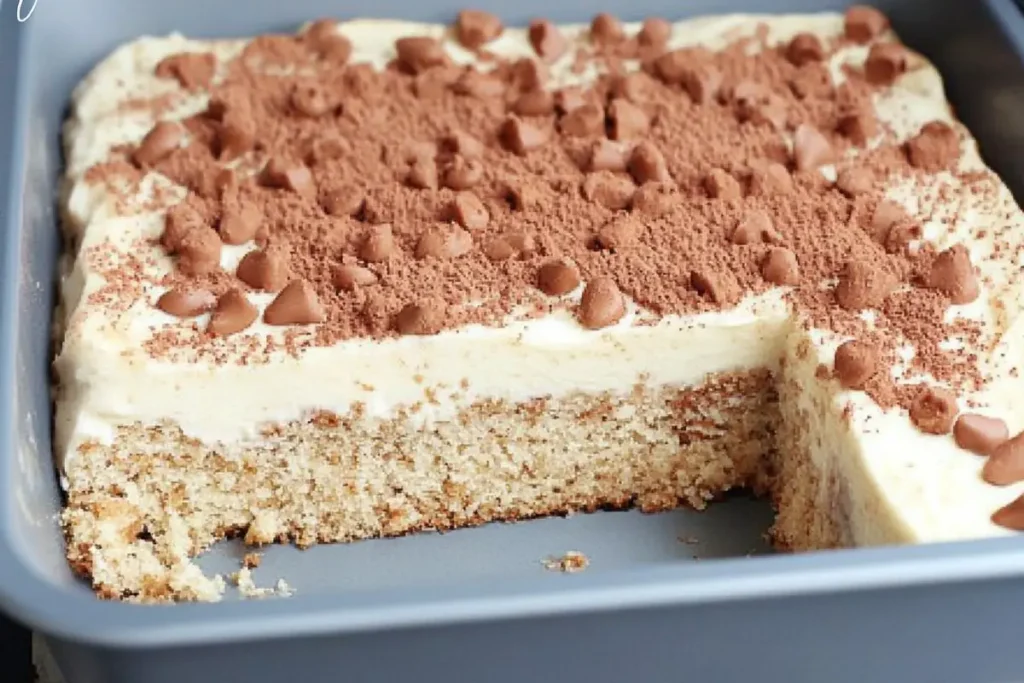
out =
column 855, row 181
column 233, row 313
column 199, row 252
column 934, row 148
column 863, row 285
column 159, row 143
column 933, row 410
column 885, row 63
column 548, row 42
column 296, row 304
column 611, row 191
column 628, row 121
column 720, row 184
column 556, row 278
column 655, row 199
column 607, row 155
column 602, row 304
column 416, row 54
column 811, row 149
column 506, row 246
column 863, row 23
column 654, row 32
column 606, row 30
column 647, row 165
column 805, row 48
column 780, row 267
column 980, row 434
column 349, row 277
column 521, row 136
column 422, row 174
column 236, row 134
column 469, row 212
column 475, row 28
column 343, row 200
column 289, row 175
column 462, row 174
column 619, row 233
column 311, row 99
column 953, row 274
column 193, row 70
column 444, row 242
column 323, row 38
column 264, row 269
column 378, row 244
column 421, row 318
column 186, row 303
column 1011, row 515
column 239, row 223
column 858, row 125
column 754, row 228
column 856, row 362
column 534, row 103
column 462, row 143
column 719, row 287
column 769, row 178
column 583, row 121
column 1006, row 464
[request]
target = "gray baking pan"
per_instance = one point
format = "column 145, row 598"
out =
column 478, row 605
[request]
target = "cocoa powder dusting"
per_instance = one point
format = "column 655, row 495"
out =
column 393, row 195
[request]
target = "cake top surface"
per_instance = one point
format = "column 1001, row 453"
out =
column 369, row 182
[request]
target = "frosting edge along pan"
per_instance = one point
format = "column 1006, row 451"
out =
column 879, row 614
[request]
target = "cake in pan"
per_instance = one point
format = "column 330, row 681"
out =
column 381, row 277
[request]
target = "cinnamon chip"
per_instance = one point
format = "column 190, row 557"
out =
column 289, row 175
column 804, row 48
column 606, row 155
column 534, row 103
column 933, row 410
column 602, row 304
column 180, row 220
column 462, row 174
column 199, row 252
column 265, row 270
column 620, row 233
column 702, row 83
column 647, row 165
column 720, row 184
column 953, row 274
column 547, row 41
column 609, row 190
column 855, row 181
column 770, row 178
column 935, row 147
column 754, row 228
column 480, row 85
column 583, row 121
column 856, row 362
column 236, row 134
column 297, row 304
column 506, row 246
column 980, row 434
column 886, row 215
column 192, row 70
column 571, row 98
column 862, row 23
column 343, row 200
column 444, row 242
column 529, row 74
column 780, row 267
column 422, row 318
column 232, row 314
column 475, row 28
column 628, row 121
column 378, row 244
column 349, row 277
column 606, row 30
column 654, row 199
column 469, row 211
column 863, row 285
column 719, row 287
column 422, row 174
column 239, row 223
column 556, row 278
column 522, row 137
column 858, row 125
column 885, row 63
column 186, row 303
column 1006, row 464
column 462, row 143
column 416, row 54
column 636, row 87
column 311, row 99
column 159, row 143
column 1011, row 515
column 811, row 148
column 654, row 32
column 323, row 38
